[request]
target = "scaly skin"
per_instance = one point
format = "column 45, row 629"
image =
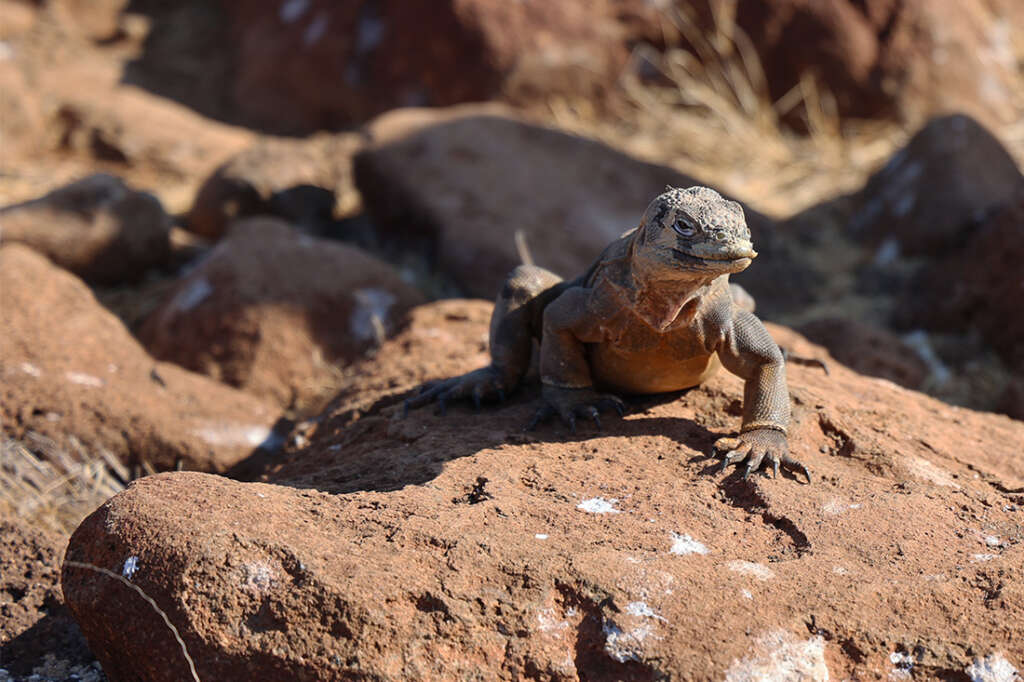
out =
column 653, row 314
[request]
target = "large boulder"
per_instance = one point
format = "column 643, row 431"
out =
column 340, row 63
column 73, row 374
column 448, row 548
column 98, row 228
column 305, row 182
column 978, row 286
column 925, row 199
column 272, row 311
column 462, row 182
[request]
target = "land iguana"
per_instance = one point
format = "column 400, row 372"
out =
column 655, row 313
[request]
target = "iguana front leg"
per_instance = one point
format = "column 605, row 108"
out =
column 568, row 389
column 749, row 352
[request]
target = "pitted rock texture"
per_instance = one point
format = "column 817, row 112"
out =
column 271, row 310
column 305, row 182
column 72, row 373
column 444, row 548
column 35, row 626
column 928, row 196
column 97, row 227
column 463, row 181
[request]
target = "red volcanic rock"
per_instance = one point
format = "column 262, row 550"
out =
column 305, row 182
column 447, row 548
column 978, row 286
column 463, row 181
column 924, row 200
column 339, row 63
column 98, row 227
column 72, row 373
column 37, row 634
column 272, row 310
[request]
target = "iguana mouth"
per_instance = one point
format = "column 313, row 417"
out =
column 711, row 259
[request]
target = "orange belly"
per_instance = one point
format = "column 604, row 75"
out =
column 649, row 372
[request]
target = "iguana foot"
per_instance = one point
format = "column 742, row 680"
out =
column 479, row 385
column 755, row 446
column 572, row 403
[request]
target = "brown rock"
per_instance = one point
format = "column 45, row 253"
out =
column 95, row 19
column 458, row 547
column 72, row 373
column 98, row 228
column 271, row 310
column 463, row 181
column 979, row 286
column 37, row 634
column 305, row 182
column 339, row 63
column 950, row 173
column 868, row 349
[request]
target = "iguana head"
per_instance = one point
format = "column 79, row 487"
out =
column 693, row 230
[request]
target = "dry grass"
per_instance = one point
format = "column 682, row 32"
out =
column 712, row 117
column 52, row 489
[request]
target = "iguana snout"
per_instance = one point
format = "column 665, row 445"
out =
column 696, row 229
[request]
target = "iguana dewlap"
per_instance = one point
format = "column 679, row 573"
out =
column 653, row 314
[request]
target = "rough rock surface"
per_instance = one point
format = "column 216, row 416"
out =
column 71, row 372
column 909, row 59
column 271, row 310
column 339, row 63
column 457, row 547
column 462, row 181
column 98, row 227
column 979, row 286
column 305, row 182
column 924, row 200
column 35, row 626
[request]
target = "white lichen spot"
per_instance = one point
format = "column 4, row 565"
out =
column 683, row 544
column 598, row 505
column 992, row 668
column 902, row 664
column 368, row 318
column 194, row 293
column 131, row 565
column 746, row 594
column 30, row 369
column 252, row 435
column 840, row 570
column 315, row 31
column 759, row 571
column 541, row 536
column 982, row 557
column 641, row 609
column 83, row 379
column 548, row 621
column 291, row 10
column 992, row 540
column 780, row 656
column 625, row 646
column 258, row 577
column 922, row 468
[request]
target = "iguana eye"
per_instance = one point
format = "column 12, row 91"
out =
column 684, row 227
